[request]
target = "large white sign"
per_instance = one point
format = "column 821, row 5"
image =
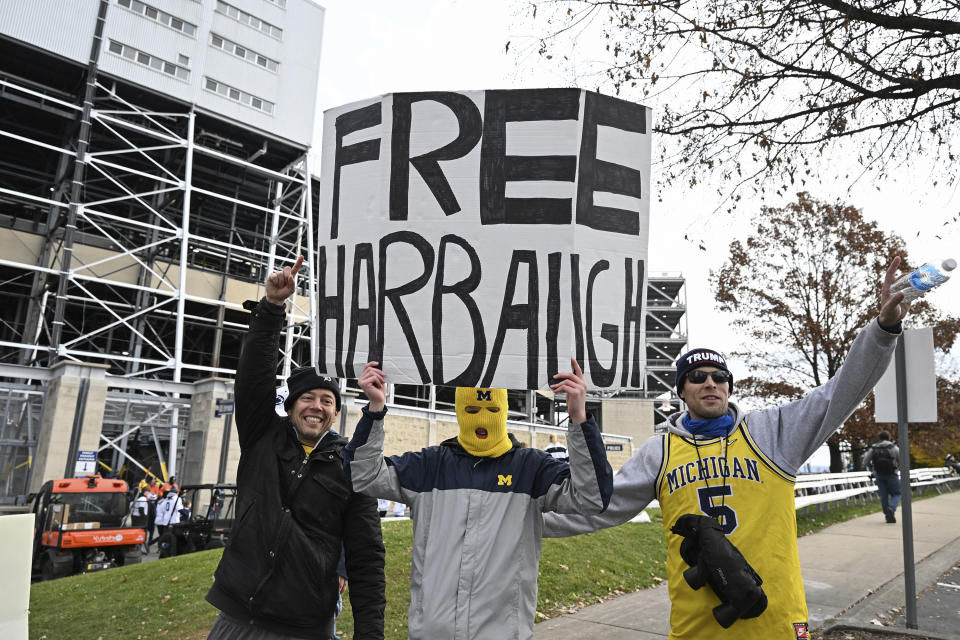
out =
column 16, row 553
column 481, row 238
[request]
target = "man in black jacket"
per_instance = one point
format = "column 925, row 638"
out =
column 278, row 578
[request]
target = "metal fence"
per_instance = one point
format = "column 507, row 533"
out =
column 21, row 408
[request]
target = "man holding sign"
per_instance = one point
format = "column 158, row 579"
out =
column 476, row 502
column 739, row 468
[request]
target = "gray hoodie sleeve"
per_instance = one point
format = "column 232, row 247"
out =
column 634, row 486
column 364, row 465
column 790, row 433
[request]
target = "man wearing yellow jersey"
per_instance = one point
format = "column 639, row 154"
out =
column 739, row 466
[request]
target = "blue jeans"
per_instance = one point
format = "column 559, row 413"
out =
column 889, row 486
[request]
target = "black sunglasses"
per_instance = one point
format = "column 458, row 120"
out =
column 699, row 376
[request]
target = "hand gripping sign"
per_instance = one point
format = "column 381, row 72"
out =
column 480, row 238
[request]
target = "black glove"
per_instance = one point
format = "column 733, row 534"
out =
column 714, row 560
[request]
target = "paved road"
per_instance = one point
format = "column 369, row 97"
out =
column 852, row 572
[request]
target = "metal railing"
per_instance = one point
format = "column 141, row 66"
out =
column 824, row 489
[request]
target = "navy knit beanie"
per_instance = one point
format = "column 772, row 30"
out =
column 699, row 358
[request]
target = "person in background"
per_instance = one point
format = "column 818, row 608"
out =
column 152, row 491
column 168, row 512
column 883, row 459
column 139, row 513
column 185, row 511
column 951, row 463
column 216, row 505
column 141, row 505
column 740, row 467
column 150, row 486
column 557, row 450
column 145, row 480
column 170, row 485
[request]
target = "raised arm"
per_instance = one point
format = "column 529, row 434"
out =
column 363, row 463
column 587, row 488
column 255, row 385
column 790, row 433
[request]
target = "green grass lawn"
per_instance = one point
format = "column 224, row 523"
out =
column 164, row 598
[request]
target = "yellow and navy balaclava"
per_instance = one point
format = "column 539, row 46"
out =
column 494, row 423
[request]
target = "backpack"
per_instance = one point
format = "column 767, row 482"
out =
column 882, row 459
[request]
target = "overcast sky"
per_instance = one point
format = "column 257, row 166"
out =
column 382, row 46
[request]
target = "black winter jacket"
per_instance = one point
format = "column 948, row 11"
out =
column 279, row 570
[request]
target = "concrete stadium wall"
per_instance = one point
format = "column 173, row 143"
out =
column 408, row 428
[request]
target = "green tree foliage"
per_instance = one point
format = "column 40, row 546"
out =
column 800, row 288
column 756, row 91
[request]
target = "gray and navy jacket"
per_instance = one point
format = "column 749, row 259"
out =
column 478, row 522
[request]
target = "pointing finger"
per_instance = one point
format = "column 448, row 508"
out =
column 576, row 367
column 296, row 266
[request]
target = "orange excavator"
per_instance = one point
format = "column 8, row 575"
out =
column 83, row 525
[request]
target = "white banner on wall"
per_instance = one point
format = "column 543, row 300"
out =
column 481, row 238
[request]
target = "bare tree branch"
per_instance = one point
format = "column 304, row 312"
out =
column 754, row 88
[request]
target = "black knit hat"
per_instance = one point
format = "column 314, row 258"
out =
column 699, row 358
column 303, row 379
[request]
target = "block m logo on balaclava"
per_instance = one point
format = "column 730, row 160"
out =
column 482, row 416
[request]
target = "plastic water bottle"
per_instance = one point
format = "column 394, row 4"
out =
column 923, row 279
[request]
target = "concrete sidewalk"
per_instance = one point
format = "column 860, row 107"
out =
column 852, row 572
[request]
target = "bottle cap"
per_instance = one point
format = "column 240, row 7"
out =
column 949, row 264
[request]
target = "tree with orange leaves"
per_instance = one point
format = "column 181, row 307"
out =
column 800, row 290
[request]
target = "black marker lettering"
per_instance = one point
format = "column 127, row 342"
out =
column 497, row 168
column 575, row 307
column 519, row 316
column 601, row 376
column 599, row 175
column 428, row 165
column 553, row 312
column 396, row 293
column 330, row 307
column 347, row 123
column 469, row 376
column 632, row 315
column 362, row 253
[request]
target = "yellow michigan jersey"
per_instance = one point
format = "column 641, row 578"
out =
column 754, row 500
